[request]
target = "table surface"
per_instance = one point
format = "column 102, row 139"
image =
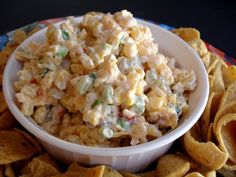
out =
column 216, row 20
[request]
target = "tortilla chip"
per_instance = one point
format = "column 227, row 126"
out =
column 227, row 108
column 226, row 135
column 199, row 46
column 229, row 75
column 205, row 118
column 31, row 139
column 7, row 121
column 40, row 166
column 97, row 171
column 227, row 173
column 187, row 34
column 3, row 105
column 211, row 81
column 230, row 94
column 194, row 174
column 212, row 65
column 9, row 172
column 14, row 147
column 19, row 36
column 207, row 154
column 127, row 174
column 172, row 165
column 206, row 59
column 109, row 172
column 230, row 165
column 210, row 133
column 76, row 167
column 218, row 85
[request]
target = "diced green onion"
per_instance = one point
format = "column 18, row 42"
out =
column 62, row 52
column 123, row 124
column 84, row 83
column 93, row 75
column 151, row 77
column 95, row 103
column 106, row 45
column 106, row 132
column 138, row 106
column 65, row 35
column 107, row 94
column 178, row 110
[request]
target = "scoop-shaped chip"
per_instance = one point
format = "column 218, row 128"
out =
column 229, row 165
column 211, row 81
column 42, row 165
column 227, row 108
column 210, row 133
column 205, row 118
column 109, row 172
column 199, row 46
column 227, row 173
column 207, row 154
column 218, row 85
column 97, row 171
column 226, row 135
column 230, row 94
column 31, row 139
column 194, row 174
column 127, row 174
column 229, row 75
column 187, row 34
column 9, row 172
column 206, row 59
column 7, row 121
column 76, row 167
column 14, row 147
column 172, row 165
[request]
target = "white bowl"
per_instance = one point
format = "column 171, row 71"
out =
column 132, row 158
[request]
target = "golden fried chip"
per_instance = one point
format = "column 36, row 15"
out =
column 9, row 172
column 212, row 65
column 40, row 166
column 19, row 36
column 205, row 118
column 230, row 165
column 211, row 81
column 226, row 135
column 127, row 174
column 218, row 85
column 211, row 174
column 230, row 94
column 14, row 147
column 31, row 139
column 206, row 59
column 172, row 165
column 227, row 173
column 109, row 172
column 194, row 174
column 76, row 167
column 207, row 154
column 97, row 171
column 187, row 34
column 3, row 105
column 223, row 110
column 210, row 133
column 229, row 75
column 7, row 121
column 199, row 46
column 148, row 174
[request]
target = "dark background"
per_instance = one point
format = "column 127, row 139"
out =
column 216, row 20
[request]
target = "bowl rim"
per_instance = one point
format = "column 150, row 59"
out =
column 106, row 151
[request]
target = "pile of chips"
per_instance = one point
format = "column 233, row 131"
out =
column 208, row 149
